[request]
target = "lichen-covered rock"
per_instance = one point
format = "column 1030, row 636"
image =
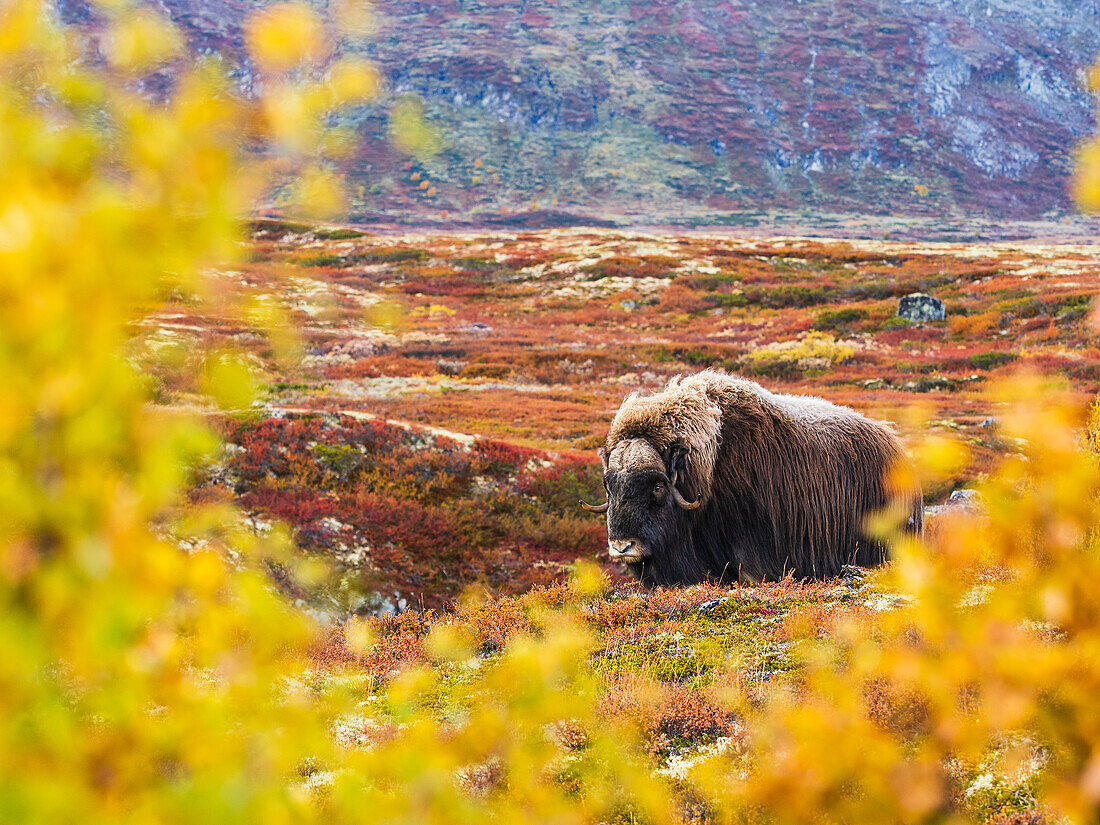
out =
column 920, row 308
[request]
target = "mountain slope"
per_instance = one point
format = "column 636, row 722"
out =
column 669, row 109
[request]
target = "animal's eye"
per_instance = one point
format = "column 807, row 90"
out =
column 659, row 489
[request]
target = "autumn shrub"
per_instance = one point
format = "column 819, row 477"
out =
column 148, row 668
column 623, row 266
column 446, row 286
column 814, row 351
column 324, row 259
column 500, row 457
column 1026, row 306
column 839, row 318
column 991, row 360
column 564, row 483
column 393, row 255
column 786, row 295
column 338, row 234
column 680, row 298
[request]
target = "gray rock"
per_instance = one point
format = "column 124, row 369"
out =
column 708, row 607
column 920, row 308
column 960, row 501
column 965, row 499
column 854, row 575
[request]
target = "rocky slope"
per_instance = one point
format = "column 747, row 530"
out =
column 662, row 109
column 719, row 111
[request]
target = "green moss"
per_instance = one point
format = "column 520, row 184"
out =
column 991, row 360
column 787, row 295
column 392, row 256
column 727, row 299
column 341, row 234
column 275, row 226
column 839, row 318
column 895, row 322
column 1024, row 307
column 326, row 259
column 475, row 263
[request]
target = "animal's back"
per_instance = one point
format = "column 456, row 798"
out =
column 797, row 476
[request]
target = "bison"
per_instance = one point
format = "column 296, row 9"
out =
column 717, row 479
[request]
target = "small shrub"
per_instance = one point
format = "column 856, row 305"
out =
column 393, row 256
column 973, row 326
column 341, row 234
column 991, row 360
column 330, row 259
column 727, row 299
column 787, row 295
column 816, row 351
column 475, row 263
column 1023, row 307
column 276, row 228
column 647, row 266
column 838, row 318
column 895, row 322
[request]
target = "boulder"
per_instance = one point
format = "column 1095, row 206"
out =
column 960, row 501
column 965, row 499
column 920, row 308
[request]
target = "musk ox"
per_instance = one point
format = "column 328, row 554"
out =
column 717, row 479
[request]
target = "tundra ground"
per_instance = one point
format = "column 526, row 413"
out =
column 440, row 425
column 431, row 428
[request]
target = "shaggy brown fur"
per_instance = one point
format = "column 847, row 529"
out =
column 785, row 482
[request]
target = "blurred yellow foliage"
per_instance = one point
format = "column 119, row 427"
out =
column 141, row 40
column 354, row 81
column 1086, row 181
column 284, row 36
column 140, row 680
column 149, row 671
column 410, row 131
column 387, row 315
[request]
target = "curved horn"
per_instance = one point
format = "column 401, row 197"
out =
column 596, row 508
column 683, row 502
column 679, row 499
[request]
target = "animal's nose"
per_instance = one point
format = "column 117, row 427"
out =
column 620, row 547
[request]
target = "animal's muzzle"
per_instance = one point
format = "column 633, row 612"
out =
column 626, row 550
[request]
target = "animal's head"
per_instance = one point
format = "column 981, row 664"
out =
column 647, row 506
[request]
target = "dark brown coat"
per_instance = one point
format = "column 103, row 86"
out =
column 784, row 483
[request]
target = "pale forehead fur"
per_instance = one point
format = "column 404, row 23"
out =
column 687, row 413
column 635, row 455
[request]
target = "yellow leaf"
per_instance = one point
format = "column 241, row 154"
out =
column 409, row 130
column 1086, row 179
column 230, row 381
column 141, row 40
column 320, row 193
column 284, row 36
column 354, row 81
column 359, row 636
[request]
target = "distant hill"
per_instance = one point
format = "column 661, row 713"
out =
column 715, row 111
